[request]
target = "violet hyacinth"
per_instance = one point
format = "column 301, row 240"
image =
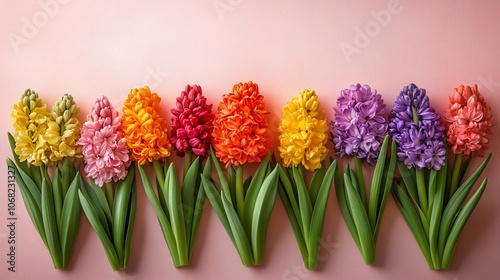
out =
column 360, row 130
column 417, row 130
column 360, row 125
column 104, row 147
column 192, row 122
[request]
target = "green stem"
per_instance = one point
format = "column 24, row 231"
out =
column 421, row 189
column 415, row 115
column 160, row 176
column 240, row 192
column 457, row 164
column 187, row 161
column 109, row 191
column 361, row 180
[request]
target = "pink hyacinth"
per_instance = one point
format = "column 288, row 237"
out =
column 192, row 122
column 104, row 147
column 468, row 121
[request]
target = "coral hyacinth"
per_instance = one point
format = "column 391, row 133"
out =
column 468, row 121
column 240, row 126
column 144, row 126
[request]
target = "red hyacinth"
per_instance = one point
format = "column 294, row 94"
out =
column 192, row 122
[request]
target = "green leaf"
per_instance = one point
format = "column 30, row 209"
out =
column 431, row 190
column 304, row 202
column 130, row 226
column 459, row 224
column 409, row 179
column 101, row 233
column 387, row 183
column 57, row 191
column 22, row 165
column 120, row 210
column 361, row 221
column 68, row 173
column 453, row 207
column 262, row 210
column 198, row 208
column 293, row 221
column 344, row 208
column 215, row 199
column 253, row 192
column 50, row 224
column 232, row 184
column 174, row 205
column 31, row 186
column 32, row 205
column 318, row 215
column 70, row 220
column 463, row 169
column 435, row 215
column 412, row 219
column 376, row 187
column 241, row 241
column 291, row 194
column 316, row 180
column 99, row 193
column 166, row 229
column 160, row 172
column 220, row 174
column 90, row 195
column 188, row 194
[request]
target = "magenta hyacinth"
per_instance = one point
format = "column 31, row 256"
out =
column 360, row 124
column 104, row 147
column 192, row 122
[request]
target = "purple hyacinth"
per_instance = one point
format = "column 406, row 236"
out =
column 360, row 125
column 417, row 130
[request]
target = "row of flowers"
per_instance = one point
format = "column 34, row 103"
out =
column 429, row 184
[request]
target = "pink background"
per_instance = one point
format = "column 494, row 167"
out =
column 91, row 49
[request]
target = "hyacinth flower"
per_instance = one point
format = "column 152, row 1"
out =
column 109, row 202
column 44, row 146
column 468, row 122
column 303, row 137
column 240, row 137
column 423, row 195
column 360, row 131
column 179, row 208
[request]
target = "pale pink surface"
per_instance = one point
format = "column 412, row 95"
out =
column 95, row 48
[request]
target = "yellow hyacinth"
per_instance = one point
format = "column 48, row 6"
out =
column 304, row 132
column 63, row 133
column 144, row 126
column 31, row 120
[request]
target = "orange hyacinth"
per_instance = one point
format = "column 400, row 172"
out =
column 144, row 126
column 468, row 121
column 240, row 126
